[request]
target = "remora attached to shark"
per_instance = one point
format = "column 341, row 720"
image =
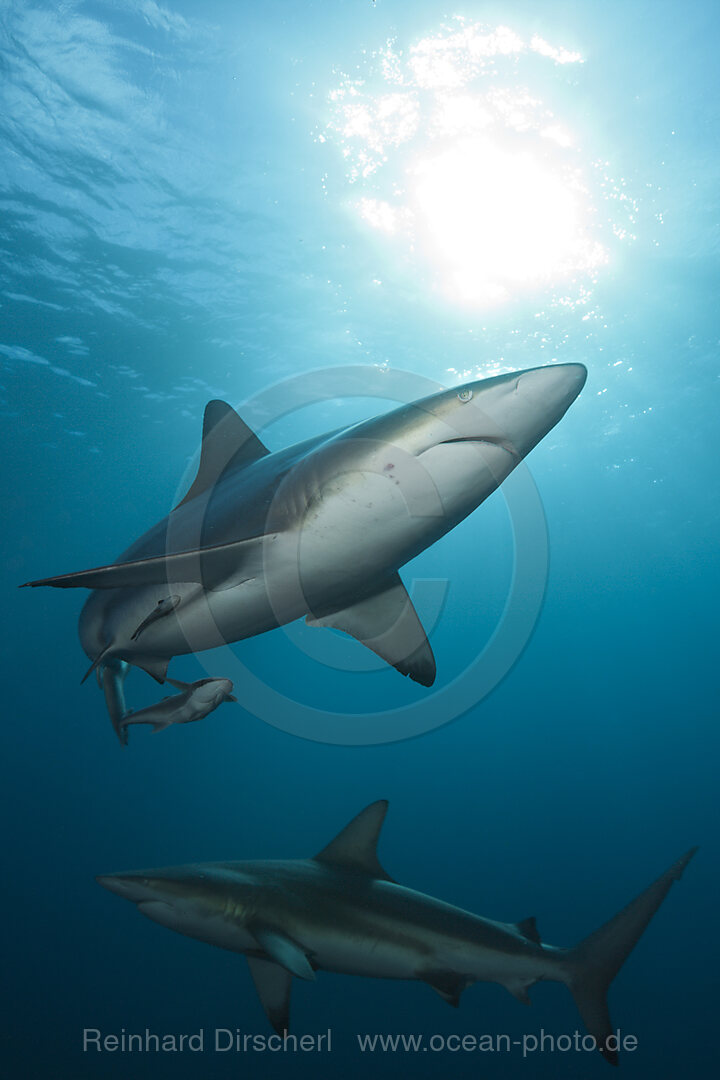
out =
column 320, row 529
column 341, row 912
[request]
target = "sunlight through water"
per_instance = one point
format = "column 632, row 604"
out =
column 467, row 171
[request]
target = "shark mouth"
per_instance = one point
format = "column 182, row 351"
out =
column 492, row 440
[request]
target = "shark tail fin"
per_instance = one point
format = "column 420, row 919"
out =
column 593, row 964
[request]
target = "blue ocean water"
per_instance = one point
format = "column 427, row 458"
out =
column 210, row 201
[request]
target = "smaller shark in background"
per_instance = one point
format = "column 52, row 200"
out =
column 340, row 911
column 196, row 701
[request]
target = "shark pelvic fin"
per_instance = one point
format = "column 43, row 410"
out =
column 388, row 624
column 283, row 951
column 273, row 984
column 156, row 666
column 179, row 684
column 519, row 990
column 448, row 984
column 227, row 442
column 355, row 848
column 209, row 566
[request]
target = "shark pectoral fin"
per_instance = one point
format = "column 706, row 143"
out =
column 273, row 984
column 208, row 566
column 231, row 697
column 355, row 847
column 283, row 951
column 388, row 624
column 160, row 726
column 448, row 984
column 227, row 442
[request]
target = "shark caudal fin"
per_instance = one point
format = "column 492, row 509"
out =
column 593, row 964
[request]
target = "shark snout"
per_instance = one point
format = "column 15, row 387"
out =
column 534, row 401
column 135, row 887
column 556, row 386
column 177, row 897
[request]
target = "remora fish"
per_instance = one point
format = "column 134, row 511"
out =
column 196, row 701
column 318, row 530
column 340, row 911
column 163, row 608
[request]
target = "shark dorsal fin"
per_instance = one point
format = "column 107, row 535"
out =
column 528, row 929
column 226, row 441
column 355, row 848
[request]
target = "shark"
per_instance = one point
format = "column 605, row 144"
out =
column 318, row 530
column 196, row 701
column 340, row 911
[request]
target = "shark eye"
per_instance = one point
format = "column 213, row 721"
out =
column 465, row 396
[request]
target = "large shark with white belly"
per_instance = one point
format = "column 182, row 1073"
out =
column 341, row 912
column 318, row 530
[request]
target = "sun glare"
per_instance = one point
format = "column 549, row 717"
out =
column 495, row 219
column 457, row 161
